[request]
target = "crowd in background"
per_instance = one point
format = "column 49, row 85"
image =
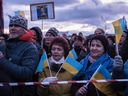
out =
column 22, row 48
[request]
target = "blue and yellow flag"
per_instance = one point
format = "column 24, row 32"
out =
column 71, row 65
column 73, row 54
column 123, row 23
column 43, row 62
column 20, row 13
column 101, row 74
column 119, row 26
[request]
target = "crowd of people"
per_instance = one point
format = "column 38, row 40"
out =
column 22, row 48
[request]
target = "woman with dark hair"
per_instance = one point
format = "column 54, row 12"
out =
column 38, row 36
column 98, row 55
column 59, row 50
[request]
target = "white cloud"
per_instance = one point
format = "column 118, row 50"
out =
column 72, row 15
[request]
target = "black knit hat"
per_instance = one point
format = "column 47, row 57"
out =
column 53, row 31
column 103, row 40
column 18, row 20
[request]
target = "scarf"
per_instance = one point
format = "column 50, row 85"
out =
column 61, row 61
column 27, row 36
column 55, row 65
column 87, row 71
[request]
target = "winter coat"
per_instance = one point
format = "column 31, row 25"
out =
column 19, row 64
column 56, row 89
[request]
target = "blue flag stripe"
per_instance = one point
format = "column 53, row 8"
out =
column 104, row 72
column 73, row 63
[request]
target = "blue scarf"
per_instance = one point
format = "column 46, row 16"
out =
column 86, row 73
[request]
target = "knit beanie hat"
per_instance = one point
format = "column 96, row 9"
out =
column 53, row 31
column 18, row 20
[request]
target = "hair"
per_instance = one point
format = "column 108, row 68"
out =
column 79, row 38
column 100, row 30
column 112, row 38
column 61, row 41
column 38, row 33
column 103, row 40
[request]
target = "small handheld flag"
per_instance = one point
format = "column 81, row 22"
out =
column 71, row 65
column 43, row 62
column 120, row 26
column 123, row 23
column 101, row 74
column 118, row 30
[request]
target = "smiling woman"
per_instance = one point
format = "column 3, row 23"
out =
column 98, row 55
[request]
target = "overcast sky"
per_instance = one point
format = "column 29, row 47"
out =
column 73, row 15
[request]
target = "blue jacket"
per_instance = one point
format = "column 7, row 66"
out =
column 86, row 73
column 19, row 63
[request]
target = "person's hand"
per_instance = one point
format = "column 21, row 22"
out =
column 118, row 62
column 50, row 79
column 82, row 91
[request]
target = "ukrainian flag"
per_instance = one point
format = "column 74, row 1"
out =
column 20, row 13
column 73, row 54
column 123, row 23
column 101, row 74
column 43, row 62
column 71, row 65
column 119, row 26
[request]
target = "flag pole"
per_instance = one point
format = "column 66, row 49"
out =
column 85, row 86
column 117, row 48
column 60, row 68
column 49, row 68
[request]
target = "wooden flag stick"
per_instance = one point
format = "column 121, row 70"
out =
column 117, row 48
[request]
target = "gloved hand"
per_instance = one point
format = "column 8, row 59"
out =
column 82, row 91
column 50, row 79
column 118, row 62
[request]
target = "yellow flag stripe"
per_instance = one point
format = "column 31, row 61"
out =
column 118, row 30
column 45, row 64
column 70, row 68
column 103, row 87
